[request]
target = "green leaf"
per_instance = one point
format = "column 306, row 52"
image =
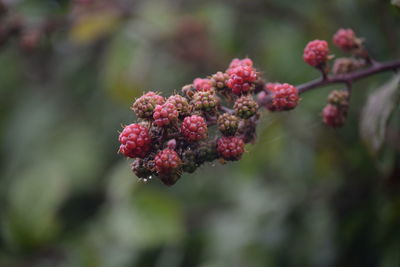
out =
column 33, row 200
column 377, row 111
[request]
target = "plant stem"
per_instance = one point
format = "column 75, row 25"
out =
column 350, row 77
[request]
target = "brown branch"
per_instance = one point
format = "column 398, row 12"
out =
column 350, row 77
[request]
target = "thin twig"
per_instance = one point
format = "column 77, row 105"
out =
column 350, row 77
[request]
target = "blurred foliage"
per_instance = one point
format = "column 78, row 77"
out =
column 377, row 112
column 304, row 195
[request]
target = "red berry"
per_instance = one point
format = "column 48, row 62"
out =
column 333, row 115
column 202, row 84
column 241, row 79
column 230, row 148
column 345, row 39
column 165, row 114
column 316, row 53
column 241, row 76
column 284, row 96
column 135, row 141
column 194, row 128
column 167, row 161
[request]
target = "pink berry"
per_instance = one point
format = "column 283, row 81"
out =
column 316, row 53
column 240, row 62
column 345, row 39
column 202, row 84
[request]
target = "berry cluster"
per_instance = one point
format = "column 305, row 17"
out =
column 173, row 135
column 316, row 54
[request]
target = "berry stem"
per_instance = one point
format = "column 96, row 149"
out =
column 349, row 87
column 350, row 77
column 323, row 71
column 226, row 110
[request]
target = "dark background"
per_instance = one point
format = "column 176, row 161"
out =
column 303, row 195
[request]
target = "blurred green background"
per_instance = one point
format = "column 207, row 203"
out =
column 304, row 195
